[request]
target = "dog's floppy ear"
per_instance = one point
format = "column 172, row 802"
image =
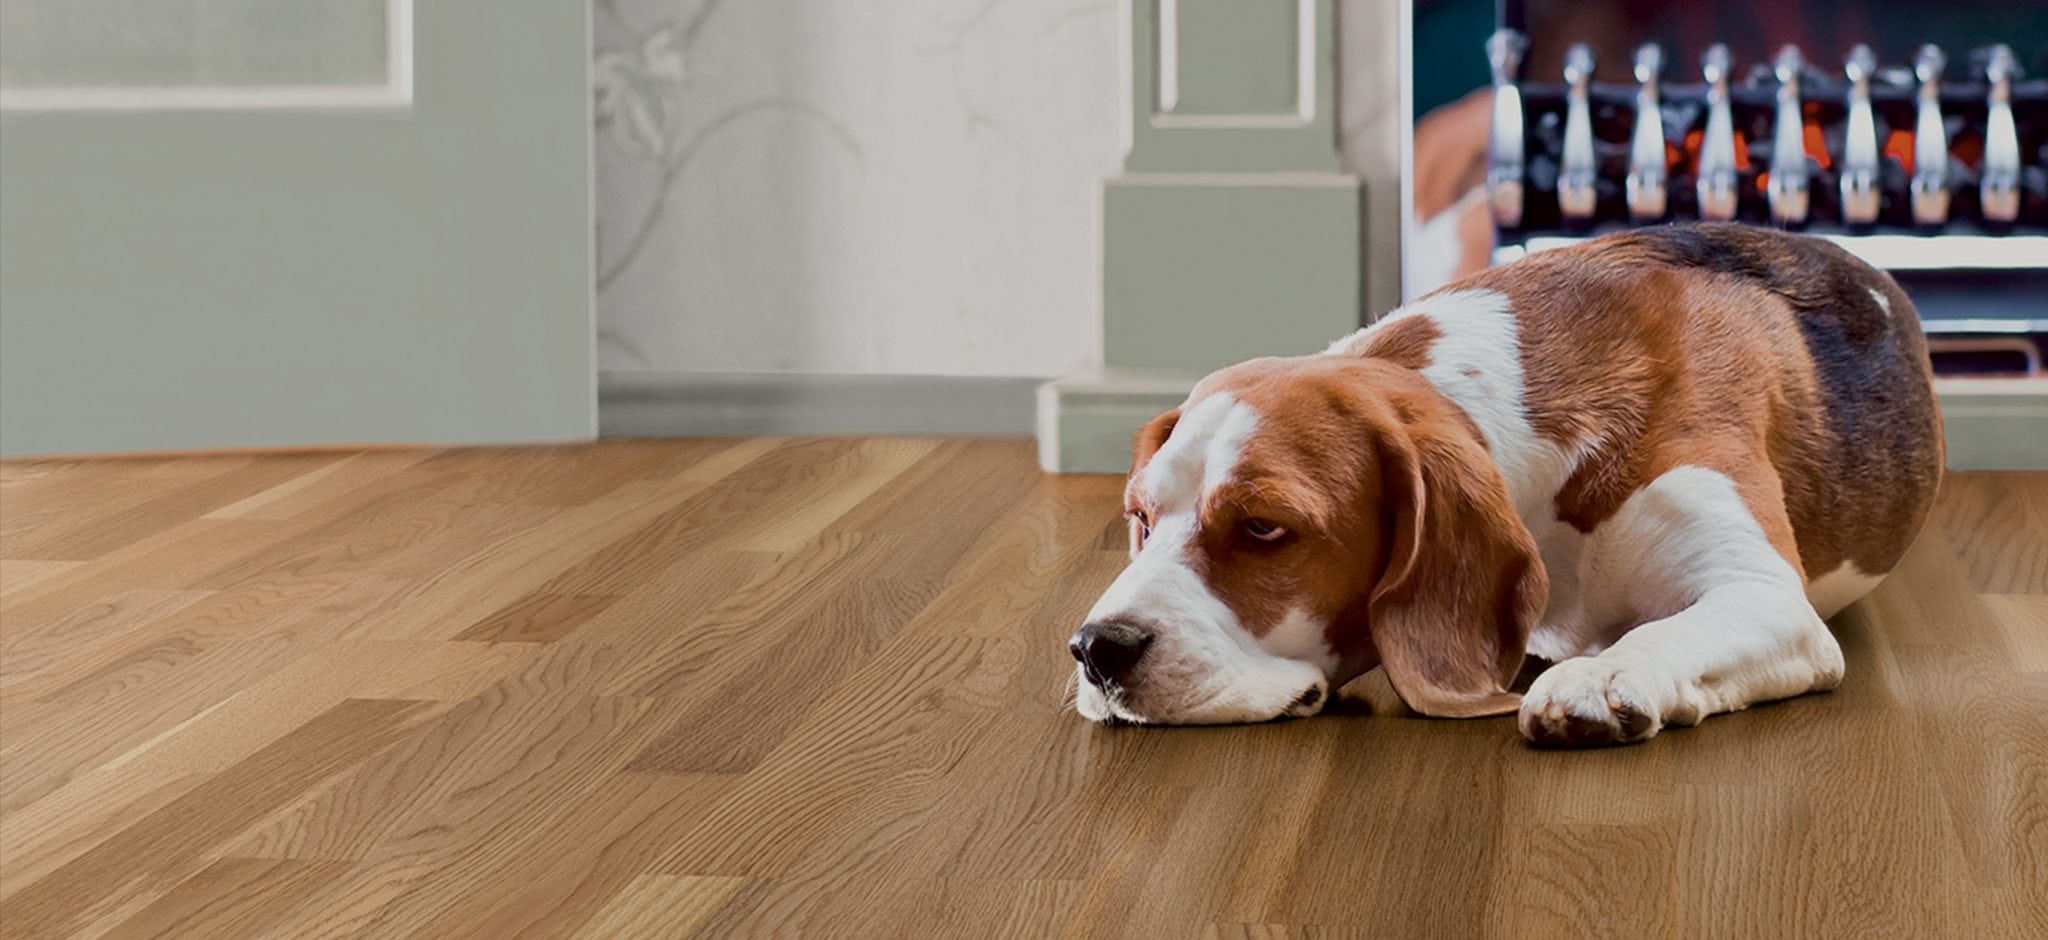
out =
column 1463, row 583
column 1151, row 437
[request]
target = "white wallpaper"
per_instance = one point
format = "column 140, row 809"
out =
column 853, row 186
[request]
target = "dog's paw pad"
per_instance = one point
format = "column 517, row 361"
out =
column 1586, row 703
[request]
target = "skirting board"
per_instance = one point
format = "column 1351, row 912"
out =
column 701, row 404
column 1995, row 424
column 1086, row 420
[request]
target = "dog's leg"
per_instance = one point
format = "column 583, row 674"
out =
column 1739, row 644
column 1743, row 631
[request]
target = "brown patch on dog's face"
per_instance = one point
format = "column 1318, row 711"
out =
column 1401, row 539
column 1320, row 572
column 1307, row 473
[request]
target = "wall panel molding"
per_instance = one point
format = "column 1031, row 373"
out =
column 395, row 90
column 1297, row 58
column 1193, row 67
column 1230, row 234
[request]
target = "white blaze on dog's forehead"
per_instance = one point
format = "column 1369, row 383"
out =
column 1202, row 452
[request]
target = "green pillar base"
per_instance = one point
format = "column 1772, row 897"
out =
column 1086, row 420
column 1231, row 233
column 1201, row 270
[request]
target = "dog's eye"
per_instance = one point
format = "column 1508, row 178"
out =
column 1144, row 526
column 1263, row 531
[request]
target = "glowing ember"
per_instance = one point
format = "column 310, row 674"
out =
column 1899, row 146
column 1817, row 145
column 1691, row 155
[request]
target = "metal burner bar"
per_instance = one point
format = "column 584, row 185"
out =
column 1646, row 169
column 1890, row 252
column 1999, row 185
column 1860, row 197
column 1576, row 198
column 1718, row 177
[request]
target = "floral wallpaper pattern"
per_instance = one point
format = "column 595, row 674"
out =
column 859, row 186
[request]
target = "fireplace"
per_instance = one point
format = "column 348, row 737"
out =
column 1296, row 167
column 1910, row 133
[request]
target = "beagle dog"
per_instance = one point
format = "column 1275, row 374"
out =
column 1657, row 460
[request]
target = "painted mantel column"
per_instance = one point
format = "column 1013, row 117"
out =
column 1231, row 232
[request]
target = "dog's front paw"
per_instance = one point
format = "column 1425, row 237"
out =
column 1587, row 702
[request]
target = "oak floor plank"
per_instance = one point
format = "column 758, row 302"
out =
column 491, row 554
column 174, row 559
column 1015, row 562
column 77, row 736
column 960, row 907
column 232, row 897
column 299, row 494
column 733, row 729
column 87, row 800
column 938, row 511
column 539, row 618
column 245, row 631
column 786, row 524
column 501, row 572
column 715, row 611
column 1999, row 528
column 556, row 476
column 472, row 752
column 691, row 599
column 1563, row 879
column 655, row 905
column 75, row 501
column 343, row 534
column 776, row 482
column 759, row 686
column 488, row 795
column 19, row 573
column 582, row 860
column 2023, row 618
column 117, row 525
column 886, row 723
column 28, row 648
column 151, row 855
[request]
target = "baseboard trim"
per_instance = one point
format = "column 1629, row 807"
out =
column 719, row 404
column 1995, row 424
column 1086, row 420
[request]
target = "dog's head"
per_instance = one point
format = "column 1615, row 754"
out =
column 1295, row 523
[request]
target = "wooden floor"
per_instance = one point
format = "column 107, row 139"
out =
column 757, row 686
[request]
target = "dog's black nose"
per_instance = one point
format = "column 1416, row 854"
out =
column 1108, row 651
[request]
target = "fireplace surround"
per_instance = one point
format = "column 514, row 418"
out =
column 1278, row 194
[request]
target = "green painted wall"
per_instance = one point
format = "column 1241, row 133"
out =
column 174, row 279
column 154, row 43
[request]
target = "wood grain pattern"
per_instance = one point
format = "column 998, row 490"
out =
column 817, row 687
